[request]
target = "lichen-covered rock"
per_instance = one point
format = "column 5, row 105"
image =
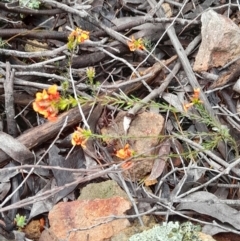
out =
column 102, row 190
column 170, row 232
column 124, row 235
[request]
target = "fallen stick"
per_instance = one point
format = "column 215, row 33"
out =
column 42, row 133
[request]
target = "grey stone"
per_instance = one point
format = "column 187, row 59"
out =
column 220, row 41
column 102, row 190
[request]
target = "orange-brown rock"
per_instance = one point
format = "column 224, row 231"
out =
column 87, row 220
column 33, row 230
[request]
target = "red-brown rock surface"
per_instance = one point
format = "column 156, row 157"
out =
column 85, row 220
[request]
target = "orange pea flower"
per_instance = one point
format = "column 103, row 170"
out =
column 77, row 36
column 46, row 103
column 136, row 44
column 80, row 137
column 194, row 99
column 187, row 106
column 83, row 36
column 125, row 153
column 53, row 93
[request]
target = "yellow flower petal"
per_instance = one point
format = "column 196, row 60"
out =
column 125, row 153
column 80, row 137
column 35, row 107
column 187, row 106
column 52, row 89
column 136, row 44
column 121, row 154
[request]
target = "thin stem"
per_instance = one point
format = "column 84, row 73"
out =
column 76, row 97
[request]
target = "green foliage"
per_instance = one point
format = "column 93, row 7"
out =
column 125, row 103
column 33, row 4
column 65, row 86
column 71, row 45
column 169, row 232
column 20, row 221
column 3, row 44
column 90, row 72
column 148, row 44
column 219, row 132
column 66, row 103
